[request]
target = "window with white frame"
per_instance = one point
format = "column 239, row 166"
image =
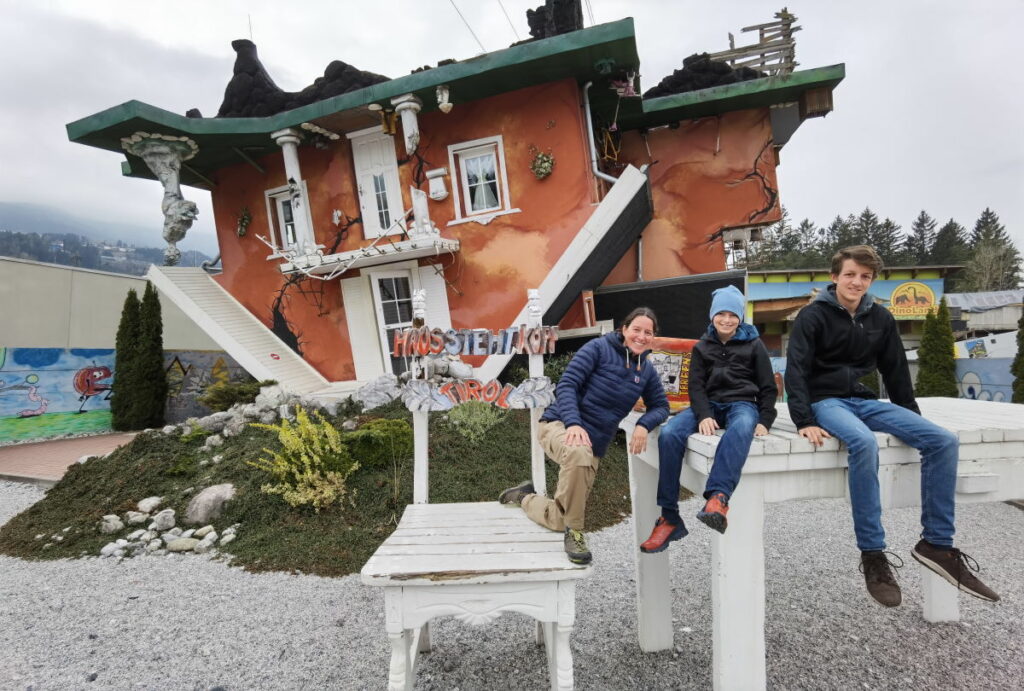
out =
column 480, row 180
column 281, row 215
column 392, row 298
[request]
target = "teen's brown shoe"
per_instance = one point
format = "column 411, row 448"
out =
column 880, row 579
column 956, row 567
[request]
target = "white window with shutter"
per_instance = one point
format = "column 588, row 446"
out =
column 376, row 168
column 479, row 180
column 281, row 214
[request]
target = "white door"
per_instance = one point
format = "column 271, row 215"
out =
column 392, row 300
column 380, row 200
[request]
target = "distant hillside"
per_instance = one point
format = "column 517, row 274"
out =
column 38, row 218
column 71, row 249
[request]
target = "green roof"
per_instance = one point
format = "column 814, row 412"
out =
column 586, row 55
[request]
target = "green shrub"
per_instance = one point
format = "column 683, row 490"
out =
column 380, row 442
column 554, row 367
column 472, row 419
column 313, row 464
column 222, row 395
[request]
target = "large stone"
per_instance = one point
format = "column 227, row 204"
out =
column 109, row 549
column 213, row 441
column 227, row 539
column 163, row 520
column 135, row 517
column 215, row 422
column 182, row 544
column 111, row 524
column 271, row 397
column 150, row 504
column 208, row 504
column 203, row 532
column 136, row 535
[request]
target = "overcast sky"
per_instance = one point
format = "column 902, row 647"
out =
column 929, row 116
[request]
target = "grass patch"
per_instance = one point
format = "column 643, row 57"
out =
column 274, row 535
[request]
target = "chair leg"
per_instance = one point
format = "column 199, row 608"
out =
column 424, row 646
column 400, row 674
column 562, row 676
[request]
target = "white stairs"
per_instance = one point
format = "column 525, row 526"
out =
column 237, row 331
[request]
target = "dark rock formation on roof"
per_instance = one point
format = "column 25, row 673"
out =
column 700, row 72
column 252, row 93
column 555, row 17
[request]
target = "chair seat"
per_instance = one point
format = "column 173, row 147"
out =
column 466, row 543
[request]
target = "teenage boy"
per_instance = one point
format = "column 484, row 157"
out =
column 837, row 339
column 732, row 386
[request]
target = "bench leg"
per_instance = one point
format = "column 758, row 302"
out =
column 653, row 586
column 941, row 599
column 737, row 592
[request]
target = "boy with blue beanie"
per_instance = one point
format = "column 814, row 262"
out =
column 731, row 386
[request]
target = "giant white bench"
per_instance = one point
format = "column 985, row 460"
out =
column 783, row 466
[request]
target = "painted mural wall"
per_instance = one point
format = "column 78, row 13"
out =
column 54, row 392
column 907, row 299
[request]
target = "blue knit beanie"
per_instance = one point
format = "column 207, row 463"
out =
column 728, row 299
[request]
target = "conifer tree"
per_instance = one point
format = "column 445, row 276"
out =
column 995, row 261
column 1017, row 367
column 921, row 240
column 124, row 386
column 936, row 371
column 888, row 241
column 950, row 247
column 151, row 396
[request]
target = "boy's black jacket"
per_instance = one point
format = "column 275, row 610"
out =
column 737, row 370
column 829, row 351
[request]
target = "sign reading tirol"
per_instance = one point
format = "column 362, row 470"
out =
column 911, row 300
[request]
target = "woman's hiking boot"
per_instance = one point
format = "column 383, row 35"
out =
column 514, row 496
column 576, row 546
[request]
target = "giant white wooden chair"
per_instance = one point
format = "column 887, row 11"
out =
column 473, row 561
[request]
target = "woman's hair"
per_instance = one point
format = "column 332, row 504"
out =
column 862, row 254
column 641, row 312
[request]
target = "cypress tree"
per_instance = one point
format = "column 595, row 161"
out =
column 151, row 398
column 1017, row 368
column 936, row 372
column 123, row 388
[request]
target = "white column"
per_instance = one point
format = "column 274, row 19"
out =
column 653, row 585
column 737, row 592
column 536, row 365
column 288, row 140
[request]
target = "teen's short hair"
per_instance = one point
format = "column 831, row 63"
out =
column 641, row 312
column 862, row 254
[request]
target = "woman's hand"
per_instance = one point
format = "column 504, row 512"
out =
column 760, row 430
column 576, row 436
column 638, row 444
column 707, row 426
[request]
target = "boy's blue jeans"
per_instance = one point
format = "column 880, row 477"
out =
column 852, row 421
column 739, row 420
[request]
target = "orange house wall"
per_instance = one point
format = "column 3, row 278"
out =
column 497, row 263
column 712, row 173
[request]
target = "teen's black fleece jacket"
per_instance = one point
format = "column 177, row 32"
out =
column 830, row 350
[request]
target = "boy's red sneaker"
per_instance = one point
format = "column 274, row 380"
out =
column 713, row 513
column 663, row 533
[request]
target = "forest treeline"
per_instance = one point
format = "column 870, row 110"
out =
column 987, row 253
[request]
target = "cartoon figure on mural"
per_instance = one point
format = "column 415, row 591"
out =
column 88, row 384
column 41, row 403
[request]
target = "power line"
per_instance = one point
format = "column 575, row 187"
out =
column 468, row 26
column 590, row 12
column 509, row 20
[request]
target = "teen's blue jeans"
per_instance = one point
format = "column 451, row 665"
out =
column 852, row 421
column 739, row 420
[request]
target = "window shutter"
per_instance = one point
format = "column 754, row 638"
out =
column 437, row 296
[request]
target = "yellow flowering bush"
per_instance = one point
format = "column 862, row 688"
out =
column 313, row 464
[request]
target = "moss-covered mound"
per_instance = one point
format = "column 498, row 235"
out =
column 273, row 535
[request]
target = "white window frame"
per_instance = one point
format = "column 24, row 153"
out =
column 274, row 197
column 396, row 211
column 400, row 270
column 460, row 185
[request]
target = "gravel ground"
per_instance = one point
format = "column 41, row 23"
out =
column 180, row 622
